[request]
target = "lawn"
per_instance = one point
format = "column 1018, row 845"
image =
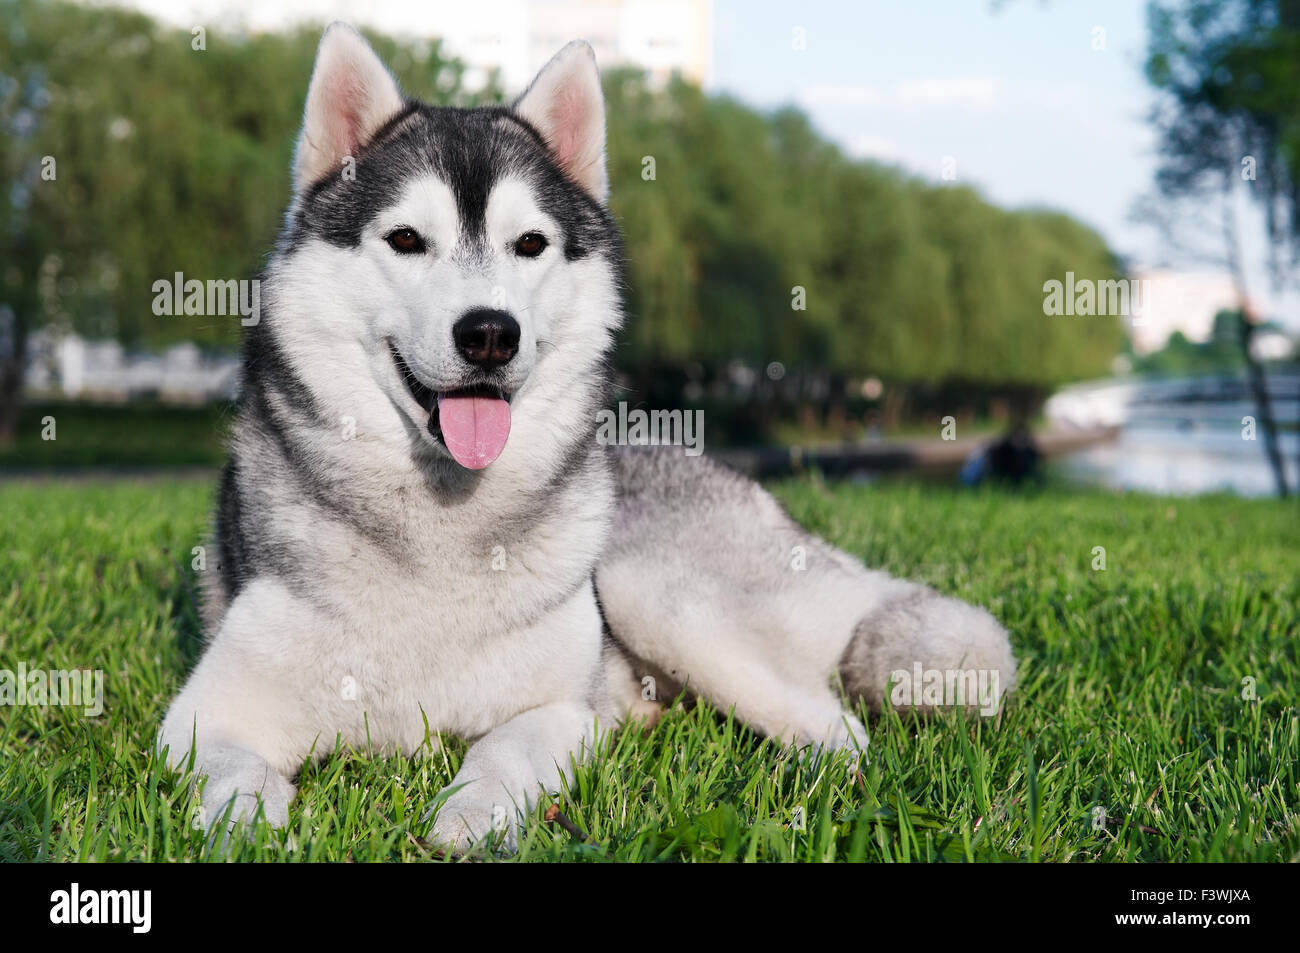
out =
column 1156, row 718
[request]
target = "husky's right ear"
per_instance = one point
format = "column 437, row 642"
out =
column 566, row 106
column 350, row 96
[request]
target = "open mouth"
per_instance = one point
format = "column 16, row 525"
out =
column 473, row 423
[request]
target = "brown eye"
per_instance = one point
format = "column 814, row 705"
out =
column 530, row 245
column 405, row 240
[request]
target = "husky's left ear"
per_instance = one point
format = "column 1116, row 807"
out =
column 565, row 105
column 350, row 96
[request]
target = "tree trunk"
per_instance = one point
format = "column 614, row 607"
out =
column 12, row 368
column 1259, row 387
column 1254, row 370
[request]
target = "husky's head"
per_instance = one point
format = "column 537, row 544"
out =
column 449, row 269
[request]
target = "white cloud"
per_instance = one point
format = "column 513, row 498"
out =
column 975, row 91
column 972, row 92
column 874, row 147
column 835, row 94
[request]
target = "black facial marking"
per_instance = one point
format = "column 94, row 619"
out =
column 470, row 150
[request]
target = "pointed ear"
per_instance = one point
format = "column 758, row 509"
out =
column 565, row 105
column 350, row 96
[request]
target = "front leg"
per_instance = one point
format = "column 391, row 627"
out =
column 504, row 772
column 240, row 715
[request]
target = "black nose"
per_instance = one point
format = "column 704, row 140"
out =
column 486, row 338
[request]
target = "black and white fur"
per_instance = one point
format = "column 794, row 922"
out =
column 369, row 586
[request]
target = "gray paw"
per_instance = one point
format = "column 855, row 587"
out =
column 470, row 818
column 846, row 734
column 238, row 781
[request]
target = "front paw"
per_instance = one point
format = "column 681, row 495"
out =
column 845, row 734
column 242, row 805
column 239, row 782
column 243, row 809
column 469, row 818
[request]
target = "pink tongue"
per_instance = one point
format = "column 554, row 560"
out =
column 474, row 428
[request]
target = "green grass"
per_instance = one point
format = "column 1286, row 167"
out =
column 1131, row 699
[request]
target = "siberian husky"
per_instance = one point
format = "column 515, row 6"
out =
column 417, row 529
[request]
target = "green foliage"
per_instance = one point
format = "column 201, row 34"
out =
column 1228, row 74
column 1130, row 699
column 123, row 436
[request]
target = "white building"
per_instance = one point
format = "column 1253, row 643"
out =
column 1179, row 301
column 69, row 365
column 515, row 36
